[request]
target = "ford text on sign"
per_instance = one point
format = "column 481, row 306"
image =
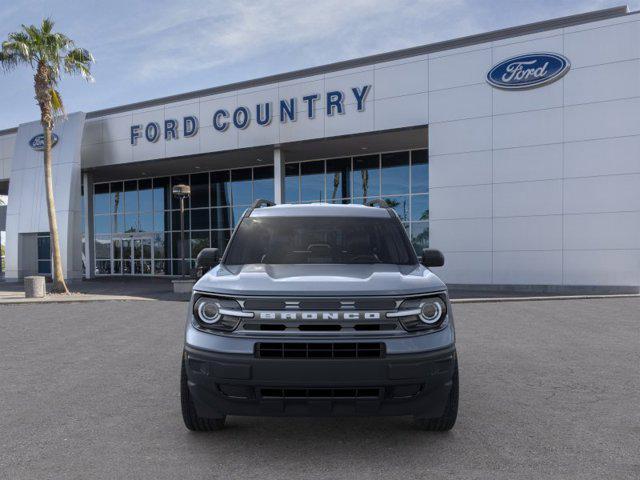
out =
column 528, row 71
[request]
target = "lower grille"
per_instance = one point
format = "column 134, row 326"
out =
column 319, row 350
column 331, row 393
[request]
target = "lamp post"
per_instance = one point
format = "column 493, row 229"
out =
column 181, row 192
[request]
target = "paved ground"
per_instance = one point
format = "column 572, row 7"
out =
column 549, row 389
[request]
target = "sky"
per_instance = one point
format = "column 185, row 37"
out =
column 149, row 49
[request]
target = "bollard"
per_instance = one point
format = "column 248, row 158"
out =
column 34, row 287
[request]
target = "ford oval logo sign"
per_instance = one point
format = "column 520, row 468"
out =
column 528, row 71
column 37, row 142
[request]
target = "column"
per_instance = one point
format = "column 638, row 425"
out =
column 87, row 205
column 278, row 175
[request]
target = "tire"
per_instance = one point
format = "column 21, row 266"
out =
column 192, row 420
column 448, row 418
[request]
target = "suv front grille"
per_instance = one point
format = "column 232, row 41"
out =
column 327, row 304
column 329, row 393
column 319, row 350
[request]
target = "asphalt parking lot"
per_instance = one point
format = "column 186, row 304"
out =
column 549, row 389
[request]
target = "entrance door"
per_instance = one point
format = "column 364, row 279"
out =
column 133, row 255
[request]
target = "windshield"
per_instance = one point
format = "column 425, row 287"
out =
column 305, row 240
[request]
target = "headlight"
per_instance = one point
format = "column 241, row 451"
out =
column 431, row 311
column 426, row 313
column 208, row 311
column 218, row 314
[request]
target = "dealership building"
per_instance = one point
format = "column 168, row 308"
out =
column 516, row 152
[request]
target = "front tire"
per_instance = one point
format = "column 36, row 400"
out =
column 450, row 414
column 191, row 419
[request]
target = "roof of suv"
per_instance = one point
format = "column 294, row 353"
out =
column 320, row 210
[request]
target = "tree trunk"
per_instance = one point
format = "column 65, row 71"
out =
column 42, row 85
column 59, row 285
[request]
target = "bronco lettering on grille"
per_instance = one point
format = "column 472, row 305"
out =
column 318, row 315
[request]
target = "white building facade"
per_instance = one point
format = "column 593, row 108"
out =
column 515, row 152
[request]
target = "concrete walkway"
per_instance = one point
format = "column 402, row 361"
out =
column 95, row 290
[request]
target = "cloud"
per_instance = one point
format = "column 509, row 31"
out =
column 204, row 35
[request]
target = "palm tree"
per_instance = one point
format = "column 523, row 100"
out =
column 48, row 54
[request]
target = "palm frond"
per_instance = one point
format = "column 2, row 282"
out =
column 78, row 61
column 56, row 101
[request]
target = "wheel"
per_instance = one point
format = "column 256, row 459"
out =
column 448, row 418
column 191, row 419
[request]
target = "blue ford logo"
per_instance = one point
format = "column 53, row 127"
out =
column 528, row 71
column 37, row 142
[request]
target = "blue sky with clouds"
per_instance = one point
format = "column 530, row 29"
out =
column 148, row 49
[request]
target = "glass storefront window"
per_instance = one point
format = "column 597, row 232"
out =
column 220, row 218
column 395, row 173
column 366, row 177
column 101, row 198
column 419, row 171
column 161, row 194
column 145, row 195
column 263, row 183
column 175, row 220
column 420, row 236
column 200, row 190
column 419, row 207
column 199, row 240
column 117, row 191
column 102, row 224
column 220, row 198
column 220, row 189
column 292, row 182
column 338, row 179
column 131, row 196
column 312, row 181
column 200, row 219
column 102, row 247
column 145, row 222
column 241, row 191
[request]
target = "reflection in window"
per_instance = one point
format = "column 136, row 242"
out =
column 419, row 171
column 200, row 190
column 366, row 177
column 400, row 205
column 103, row 247
column 145, row 195
column 220, row 191
column 102, row 224
column 117, row 190
column 161, row 194
column 420, row 236
column 338, row 179
column 241, row 186
column 395, row 173
column 419, row 207
column 130, row 196
column 312, row 181
column 263, row 183
column 101, row 198
column 199, row 240
column 200, row 219
column 292, row 183
column 220, row 218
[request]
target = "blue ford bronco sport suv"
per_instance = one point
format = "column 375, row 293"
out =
column 315, row 310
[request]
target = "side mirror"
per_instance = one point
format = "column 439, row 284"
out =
column 206, row 260
column 432, row 258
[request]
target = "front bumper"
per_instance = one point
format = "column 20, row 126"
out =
column 417, row 383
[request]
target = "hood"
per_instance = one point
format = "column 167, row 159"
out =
column 321, row 280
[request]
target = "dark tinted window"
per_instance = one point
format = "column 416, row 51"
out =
column 335, row 240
